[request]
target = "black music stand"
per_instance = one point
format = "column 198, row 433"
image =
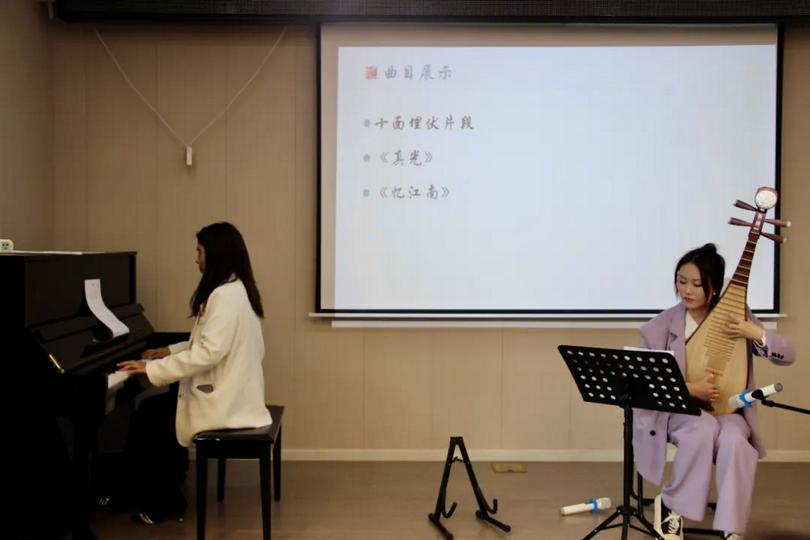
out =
column 628, row 378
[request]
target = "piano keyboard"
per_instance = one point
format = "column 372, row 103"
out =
column 116, row 380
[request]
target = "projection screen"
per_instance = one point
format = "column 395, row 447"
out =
column 548, row 170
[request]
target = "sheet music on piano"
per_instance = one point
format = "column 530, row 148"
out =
column 92, row 292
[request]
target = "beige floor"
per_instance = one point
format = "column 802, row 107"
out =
column 385, row 501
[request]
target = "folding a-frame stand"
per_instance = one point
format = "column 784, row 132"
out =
column 484, row 510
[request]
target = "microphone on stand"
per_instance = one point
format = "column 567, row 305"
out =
column 747, row 398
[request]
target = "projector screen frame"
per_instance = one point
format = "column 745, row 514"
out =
column 546, row 314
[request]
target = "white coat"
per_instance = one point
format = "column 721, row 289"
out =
column 219, row 368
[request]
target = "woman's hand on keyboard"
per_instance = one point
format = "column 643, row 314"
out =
column 151, row 354
column 133, row 367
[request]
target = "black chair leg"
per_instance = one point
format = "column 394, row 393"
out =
column 642, row 502
column 221, row 479
column 264, row 471
column 202, row 485
column 277, row 466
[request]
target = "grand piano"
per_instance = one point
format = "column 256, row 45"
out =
column 57, row 382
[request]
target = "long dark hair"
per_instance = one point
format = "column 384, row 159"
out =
column 225, row 255
column 712, row 267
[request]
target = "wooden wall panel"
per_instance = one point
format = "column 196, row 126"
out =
column 26, row 127
column 121, row 183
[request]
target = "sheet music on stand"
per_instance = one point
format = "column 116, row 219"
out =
column 638, row 378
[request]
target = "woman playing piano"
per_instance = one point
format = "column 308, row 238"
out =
column 732, row 441
column 219, row 370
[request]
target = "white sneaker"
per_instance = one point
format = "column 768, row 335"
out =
column 667, row 523
column 732, row 536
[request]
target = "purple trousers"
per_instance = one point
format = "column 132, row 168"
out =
column 701, row 441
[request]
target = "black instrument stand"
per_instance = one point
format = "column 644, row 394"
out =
column 484, row 510
column 628, row 379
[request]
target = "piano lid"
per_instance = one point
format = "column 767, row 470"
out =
column 80, row 344
column 40, row 288
column 45, row 319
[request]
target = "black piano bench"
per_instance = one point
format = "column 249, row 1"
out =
column 258, row 443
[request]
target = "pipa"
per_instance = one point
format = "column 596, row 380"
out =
column 709, row 349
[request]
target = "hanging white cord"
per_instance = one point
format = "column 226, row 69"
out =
column 244, row 87
column 188, row 145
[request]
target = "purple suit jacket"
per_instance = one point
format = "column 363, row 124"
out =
column 666, row 332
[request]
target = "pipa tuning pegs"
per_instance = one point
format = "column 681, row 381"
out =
column 739, row 222
column 778, row 222
column 745, row 206
column 775, row 237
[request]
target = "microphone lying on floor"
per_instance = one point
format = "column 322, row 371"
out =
column 593, row 505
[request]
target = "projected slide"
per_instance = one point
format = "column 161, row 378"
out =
column 537, row 178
